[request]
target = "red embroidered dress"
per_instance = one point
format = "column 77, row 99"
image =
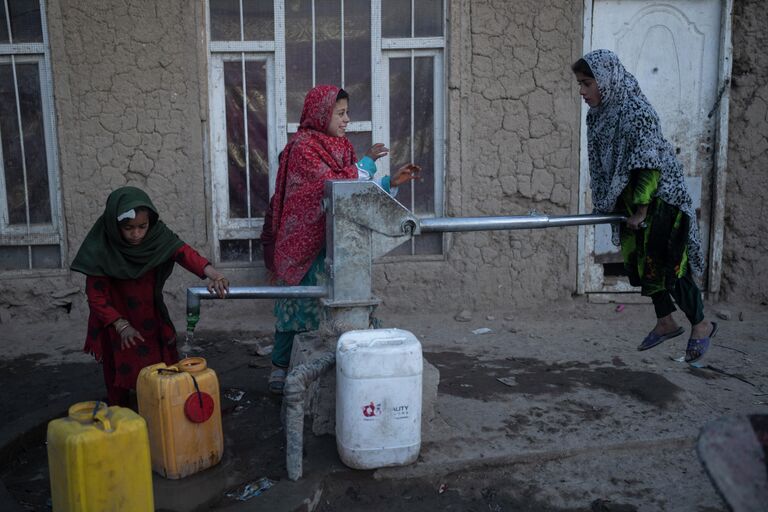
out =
column 308, row 160
column 132, row 299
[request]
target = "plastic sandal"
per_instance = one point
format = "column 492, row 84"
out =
column 698, row 347
column 277, row 380
column 654, row 339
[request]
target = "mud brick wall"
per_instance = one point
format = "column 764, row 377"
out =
column 513, row 145
column 745, row 251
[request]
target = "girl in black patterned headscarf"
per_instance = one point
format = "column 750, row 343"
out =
column 634, row 171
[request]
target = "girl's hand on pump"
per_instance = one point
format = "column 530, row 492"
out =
column 637, row 220
column 218, row 284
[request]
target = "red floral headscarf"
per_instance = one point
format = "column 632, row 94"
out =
column 309, row 159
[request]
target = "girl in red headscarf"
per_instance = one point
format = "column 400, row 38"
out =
column 319, row 151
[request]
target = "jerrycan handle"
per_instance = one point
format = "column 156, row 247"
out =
column 192, row 364
column 96, row 411
column 386, row 341
column 100, row 415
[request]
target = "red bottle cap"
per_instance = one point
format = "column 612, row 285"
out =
column 198, row 407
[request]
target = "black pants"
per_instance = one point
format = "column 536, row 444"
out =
column 686, row 295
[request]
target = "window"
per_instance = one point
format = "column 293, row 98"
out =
column 29, row 207
column 265, row 56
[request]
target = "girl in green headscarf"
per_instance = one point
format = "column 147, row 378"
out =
column 127, row 256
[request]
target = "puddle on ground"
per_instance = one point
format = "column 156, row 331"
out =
column 470, row 377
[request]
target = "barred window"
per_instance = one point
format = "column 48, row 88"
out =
column 30, row 220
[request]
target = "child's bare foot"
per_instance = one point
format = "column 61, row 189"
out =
column 701, row 330
column 666, row 325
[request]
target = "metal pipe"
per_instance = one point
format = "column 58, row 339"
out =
column 535, row 221
column 262, row 292
column 294, row 394
column 196, row 293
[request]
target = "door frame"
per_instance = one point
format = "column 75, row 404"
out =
column 718, row 177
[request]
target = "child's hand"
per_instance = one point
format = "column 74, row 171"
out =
column 406, row 173
column 637, row 220
column 129, row 337
column 377, row 151
column 218, row 284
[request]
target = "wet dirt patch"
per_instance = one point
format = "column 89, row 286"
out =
column 253, row 434
column 470, row 377
column 481, row 490
column 466, row 491
column 26, row 379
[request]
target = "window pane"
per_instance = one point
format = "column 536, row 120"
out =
column 357, row 58
column 424, row 135
column 233, row 87
column 428, row 18
column 400, row 120
column 28, row 78
column 14, row 258
column 46, row 256
column 361, row 141
column 258, row 20
column 328, row 42
column 25, row 21
column 9, row 131
column 3, row 24
column 225, row 20
column 235, row 250
column 298, row 55
column 241, row 251
column 396, row 18
column 258, row 149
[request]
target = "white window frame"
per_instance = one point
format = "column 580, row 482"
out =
column 35, row 234
column 382, row 49
column 438, row 161
column 224, row 226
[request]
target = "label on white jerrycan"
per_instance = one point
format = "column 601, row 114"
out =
column 378, row 398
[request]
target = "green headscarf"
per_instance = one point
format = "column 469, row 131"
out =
column 105, row 253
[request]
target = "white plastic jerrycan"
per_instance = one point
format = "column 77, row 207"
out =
column 378, row 398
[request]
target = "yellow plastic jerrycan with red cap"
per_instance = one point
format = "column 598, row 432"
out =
column 182, row 407
column 98, row 459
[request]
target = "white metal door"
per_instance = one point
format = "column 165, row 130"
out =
column 674, row 50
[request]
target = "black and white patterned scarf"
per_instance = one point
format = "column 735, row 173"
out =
column 624, row 133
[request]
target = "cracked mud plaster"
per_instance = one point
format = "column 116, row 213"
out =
column 516, row 150
column 127, row 87
column 129, row 74
column 745, row 251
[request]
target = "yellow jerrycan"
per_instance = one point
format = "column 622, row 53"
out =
column 182, row 407
column 98, row 459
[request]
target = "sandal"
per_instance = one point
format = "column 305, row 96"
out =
column 698, row 347
column 654, row 339
column 277, row 380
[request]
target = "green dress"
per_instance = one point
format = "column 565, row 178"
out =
column 301, row 315
column 657, row 255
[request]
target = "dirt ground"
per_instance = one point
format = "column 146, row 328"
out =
column 553, row 410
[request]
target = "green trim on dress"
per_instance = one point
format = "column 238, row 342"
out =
column 657, row 255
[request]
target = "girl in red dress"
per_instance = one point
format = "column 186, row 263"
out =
column 127, row 256
column 295, row 235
